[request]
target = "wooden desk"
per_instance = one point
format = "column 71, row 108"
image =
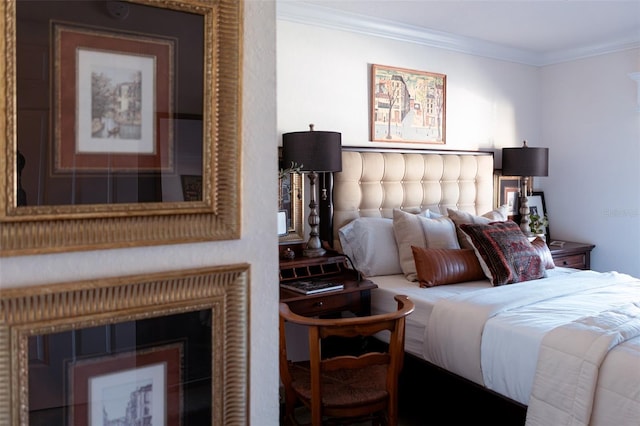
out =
column 354, row 297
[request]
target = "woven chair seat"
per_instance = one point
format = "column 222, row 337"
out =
column 343, row 388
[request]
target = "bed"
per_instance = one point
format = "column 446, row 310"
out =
column 565, row 343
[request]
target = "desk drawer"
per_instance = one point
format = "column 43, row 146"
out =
column 313, row 306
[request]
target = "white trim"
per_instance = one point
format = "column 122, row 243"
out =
column 309, row 14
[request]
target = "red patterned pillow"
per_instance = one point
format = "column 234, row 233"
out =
column 504, row 252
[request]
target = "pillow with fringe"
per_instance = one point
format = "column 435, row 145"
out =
column 504, row 252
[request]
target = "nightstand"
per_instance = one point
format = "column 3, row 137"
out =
column 354, row 297
column 572, row 255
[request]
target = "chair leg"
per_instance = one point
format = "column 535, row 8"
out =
column 290, row 405
column 381, row 419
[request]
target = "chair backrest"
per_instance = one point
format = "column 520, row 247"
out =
column 320, row 329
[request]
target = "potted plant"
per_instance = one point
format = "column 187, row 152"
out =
column 538, row 224
column 294, row 168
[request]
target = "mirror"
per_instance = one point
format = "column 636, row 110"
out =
column 121, row 123
column 291, row 199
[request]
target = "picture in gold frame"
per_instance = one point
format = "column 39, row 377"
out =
column 42, row 211
column 111, row 89
column 193, row 323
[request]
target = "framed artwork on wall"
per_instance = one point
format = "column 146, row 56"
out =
column 110, row 90
column 407, row 105
column 105, row 108
column 506, row 190
column 139, row 387
column 167, row 348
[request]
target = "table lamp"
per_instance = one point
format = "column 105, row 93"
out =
column 313, row 151
column 525, row 162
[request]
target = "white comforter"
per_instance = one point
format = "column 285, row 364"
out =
column 493, row 336
column 569, row 369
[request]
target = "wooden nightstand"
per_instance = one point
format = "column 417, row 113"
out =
column 572, row 255
column 354, row 297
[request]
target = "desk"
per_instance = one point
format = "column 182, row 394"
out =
column 354, row 297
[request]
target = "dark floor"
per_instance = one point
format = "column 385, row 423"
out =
column 430, row 396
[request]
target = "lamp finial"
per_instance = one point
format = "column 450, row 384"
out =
column 311, row 127
column 524, row 144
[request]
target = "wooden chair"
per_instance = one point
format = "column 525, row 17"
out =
column 345, row 386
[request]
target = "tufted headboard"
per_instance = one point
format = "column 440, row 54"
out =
column 374, row 182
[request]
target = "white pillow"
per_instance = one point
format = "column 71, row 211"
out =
column 460, row 218
column 420, row 231
column 371, row 245
column 440, row 232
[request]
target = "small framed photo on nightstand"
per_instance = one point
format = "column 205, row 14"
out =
column 538, row 214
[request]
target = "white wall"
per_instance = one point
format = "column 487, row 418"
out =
column 324, row 78
column 257, row 245
column 590, row 122
column 583, row 110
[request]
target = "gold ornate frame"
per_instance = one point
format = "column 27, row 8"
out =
column 57, row 228
column 295, row 231
column 54, row 308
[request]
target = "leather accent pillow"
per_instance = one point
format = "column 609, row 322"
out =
column 460, row 218
column 504, row 252
column 446, row 266
column 544, row 253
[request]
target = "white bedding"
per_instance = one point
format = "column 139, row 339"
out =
column 389, row 285
column 424, row 299
column 568, row 379
column 492, row 335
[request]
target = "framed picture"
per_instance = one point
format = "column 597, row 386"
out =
column 110, row 89
column 507, row 191
column 407, row 105
column 167, row 348
column 141, row 387
column 291, row 201
column 105, row 110
column 538, row 207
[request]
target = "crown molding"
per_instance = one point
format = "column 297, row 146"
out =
column 631, row 41
column 310, row 14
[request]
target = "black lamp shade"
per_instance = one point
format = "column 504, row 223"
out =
column 313, row 151
column 525, row 161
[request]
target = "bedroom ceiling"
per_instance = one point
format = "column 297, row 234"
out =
column 545, row 31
